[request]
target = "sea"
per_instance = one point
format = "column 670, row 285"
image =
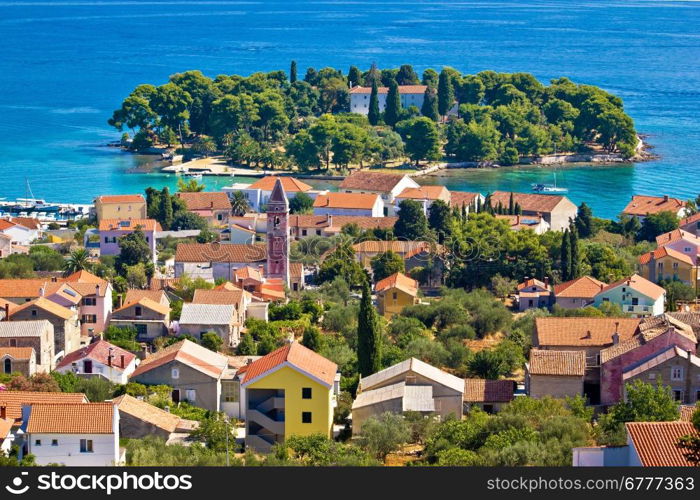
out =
column 65, row 65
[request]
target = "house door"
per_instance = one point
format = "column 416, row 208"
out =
column 87, row 366
column 175, row 396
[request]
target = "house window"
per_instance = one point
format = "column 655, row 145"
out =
column 318, row 232
column 675, row 265
column 678, row 395
column 677, row 373
column 220, row 217
column 141, row 330
column 652, row 376
column 191, row 395
column 89, row 318
column 635, row 301
column 89, row 301
column 138, row 311
column 37, row 442
column 230, row 391
column 303, row 232
column 8, row 365
column 13, row 342
column 305, row 417
column 33, row 312
column 86, row 446
column 54, row 442
column 174, row 373
column 106, row 239
column 306, row 393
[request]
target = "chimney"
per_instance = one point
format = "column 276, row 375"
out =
column 109, row 357
column 601, row 287
column 7, row 312
column 122, row 359
column 211, row 204
column 3, row 412
column 546, row 282
column 41, row 291
column 121, row 300
column 588, row 335
column 54, row 279
column 665, row 197
column 97, row 290
column 616, row 334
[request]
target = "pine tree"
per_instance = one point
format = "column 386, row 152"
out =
column 373, row 114
column 311, row 338
column 566, row 257
column 584, row 221
column 354, row 76
column 575, row 269
column 429, row 108
column 446, row 93
column 392, row 111
column 368, row 335
column 166, row 208
column 293, row 72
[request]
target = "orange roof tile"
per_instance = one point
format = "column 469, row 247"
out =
column 121, row 198
column 5, row 427
column 581, row 332
column 84, row 276
column 297, row 356
column 371, row 181
column 22, row 353
column 27, row 288
column 134, row 295
column 227, row 285
column 406, row 249
column 360, row 201
column 531, row 282
column 479, row 390
column 206, row 200
column 71, row 418
column 46, row 305
column 99, row 351
column 290, row 184
column 28, row 222
column 220, row 252
column 218, row 297
column 248, row 273
column 400, row 281
column 129, row 225
column 147, row 413
column 191, row 354
column 584, row 287
column 656, row 442
column 13, row 400
column 6, row 224
column 662, row 252
column 528, row 202
column 560, row 363
column 148, row 304
column 644, row 205
column 459, row 198
column 426, row 193
column 676, row 235
column 296, row 270
column 689, row 220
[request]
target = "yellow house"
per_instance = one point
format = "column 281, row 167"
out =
column 394, row 293
column 668, row 264
column 288, row 392
column 126, row 206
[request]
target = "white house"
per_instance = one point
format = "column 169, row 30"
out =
column 367, row 205
column 636, row 295
column 72, row 434
column 18, row 233
column 258, row 193
column 100, row 359
column 388, row 186
column 410, row 95
column 425, row 195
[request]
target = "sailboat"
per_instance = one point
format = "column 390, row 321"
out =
column 549, row 188
column 32, row 204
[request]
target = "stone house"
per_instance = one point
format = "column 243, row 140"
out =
column 18, row 360
column 217, row 260
column 221, row 319
column 215, row 207
column 388, row 186
column 556, row 374
column 533, row 294
column 556, row 210
column 139, row 419
column 488, row 395
column 36, row 335
column 150, row 319
column 66, row 325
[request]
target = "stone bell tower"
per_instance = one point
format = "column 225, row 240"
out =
column 278, row 234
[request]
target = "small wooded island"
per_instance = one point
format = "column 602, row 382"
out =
column 377, row 117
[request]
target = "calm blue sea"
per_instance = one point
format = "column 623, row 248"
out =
column 66, row 64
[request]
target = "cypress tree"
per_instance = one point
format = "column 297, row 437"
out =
column 392, row 112
column 566, row 257
column 354, row 76
column 575, row 269
column 368, row 335
column 166, row 208
column 430, row 105
column 373, row 114
column 518, row 209
column 293, row 72
column 446, row 93
column 584, row 221
column 311, row 338
column 511, row 205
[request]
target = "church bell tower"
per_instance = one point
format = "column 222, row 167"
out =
column 278, row 234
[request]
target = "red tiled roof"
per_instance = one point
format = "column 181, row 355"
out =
column 584, row 287
column 296, row 270
column 13, row 400
column 528, row 202
column 298, row 356
column 644, row 205
column 656, row 442
column 425, row 193
column 459, row 198
column 121, row 198
column 640, row 284
column 290, row 184
column 129, row 225
column 559, row 363
column 406, row 249
column 45, row 305
column 676, row 235
column 6, row 224
column 205, row 200
column 479, row 390
column 134, row 295
column 220, row 252
column 202, row 296
column 403, row 89
column 27, row 288
column 360, row 201
column 531, row 282
column 83, row 276
column 191, row 354
column 22, row 353
column 371, row 181
column 400, row 281
column 689, row 220
column 99, row 351
column 28, row 222
column 581, row 331
column 71, row 418
column 248, row 273
column 664, row 252
column 5, row 427
column 148, row 304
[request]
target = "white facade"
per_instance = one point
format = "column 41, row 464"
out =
column 377, row 210
column 21, row 235
column 114, row 374
column 410, row 95
column 632, row 301
column 388, row 197
column 258, row 198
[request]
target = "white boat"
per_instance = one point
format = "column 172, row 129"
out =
column 192, row 175
column 549, row 188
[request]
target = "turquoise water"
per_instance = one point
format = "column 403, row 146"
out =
column 66, row 65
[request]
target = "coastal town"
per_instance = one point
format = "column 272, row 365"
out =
column 379, row 321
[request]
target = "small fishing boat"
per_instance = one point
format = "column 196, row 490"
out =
column 192, row 175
